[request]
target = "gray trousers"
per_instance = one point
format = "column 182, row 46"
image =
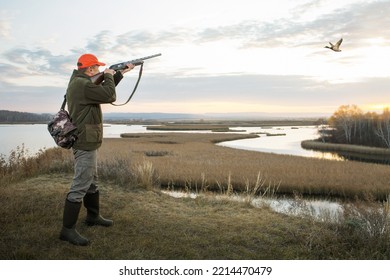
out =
column 85, row 175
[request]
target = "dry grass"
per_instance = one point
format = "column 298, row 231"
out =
column 152, row 225
column 187, row 160
column 148, row 225
column 20, row 164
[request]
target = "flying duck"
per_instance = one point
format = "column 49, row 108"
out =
column 335, row 47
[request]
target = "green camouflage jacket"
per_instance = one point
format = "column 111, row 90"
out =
column 84, row 99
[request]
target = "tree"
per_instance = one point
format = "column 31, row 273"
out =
column 23, row 117
column 345, row 121
column 383, row 129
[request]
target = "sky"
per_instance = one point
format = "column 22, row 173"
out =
column 218, row 56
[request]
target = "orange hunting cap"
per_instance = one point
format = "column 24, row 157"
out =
column 87, row 60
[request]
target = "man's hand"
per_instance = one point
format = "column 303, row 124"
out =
column 109, row 71
column 129, row 67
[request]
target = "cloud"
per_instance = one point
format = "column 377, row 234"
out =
column 38, row 61
column 135, row 41
column 100, row 42
column 5, row 29
column 31, row 99
column 256, row 89
column 196, row 94
column 356, row 21
column 5, row 25
column 41, row 61
column 22, row 67
column 308, row 7
column 7, row 70
column 368, row 21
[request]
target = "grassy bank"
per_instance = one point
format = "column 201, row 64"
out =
column 189, row 127
column 317, row 145
column 152, row 225
column 348, row 151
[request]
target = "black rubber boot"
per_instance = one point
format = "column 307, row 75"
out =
column 68, row 231
column 91, row 202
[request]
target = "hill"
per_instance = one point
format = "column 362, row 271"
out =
column 244, row 116
column 23, row 117
column 26, row 117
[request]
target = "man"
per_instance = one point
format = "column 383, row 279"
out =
column 84, row 99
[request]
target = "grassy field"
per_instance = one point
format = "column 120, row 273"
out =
column 193, row 161
column 152, row 225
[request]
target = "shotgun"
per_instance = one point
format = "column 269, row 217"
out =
column 99, row 77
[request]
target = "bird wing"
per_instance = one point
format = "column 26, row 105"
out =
column 339, row 42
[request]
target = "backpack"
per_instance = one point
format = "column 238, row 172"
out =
column 61, row 128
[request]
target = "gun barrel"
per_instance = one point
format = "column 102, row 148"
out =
column 138, row 61
column 148, row 57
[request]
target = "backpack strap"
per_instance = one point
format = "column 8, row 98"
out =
column 63, row 103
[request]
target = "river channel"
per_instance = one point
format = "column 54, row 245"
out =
column 321, row 210
column 280, row 140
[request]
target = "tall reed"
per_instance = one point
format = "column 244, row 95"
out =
column 146, row 176
column 20, row 164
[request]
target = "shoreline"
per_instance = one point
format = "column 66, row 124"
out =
column 320, row 146
column 351, row 152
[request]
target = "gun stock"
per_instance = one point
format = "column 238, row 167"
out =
column 99, row 77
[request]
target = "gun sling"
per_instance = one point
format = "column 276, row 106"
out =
column 135, row 87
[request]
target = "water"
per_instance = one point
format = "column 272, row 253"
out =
column 33, row 136
column 115, row 130
column 36, row 137
column 321, row 210
column 286, row 140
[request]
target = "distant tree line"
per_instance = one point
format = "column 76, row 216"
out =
column 23, row 117
column 349, row 125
